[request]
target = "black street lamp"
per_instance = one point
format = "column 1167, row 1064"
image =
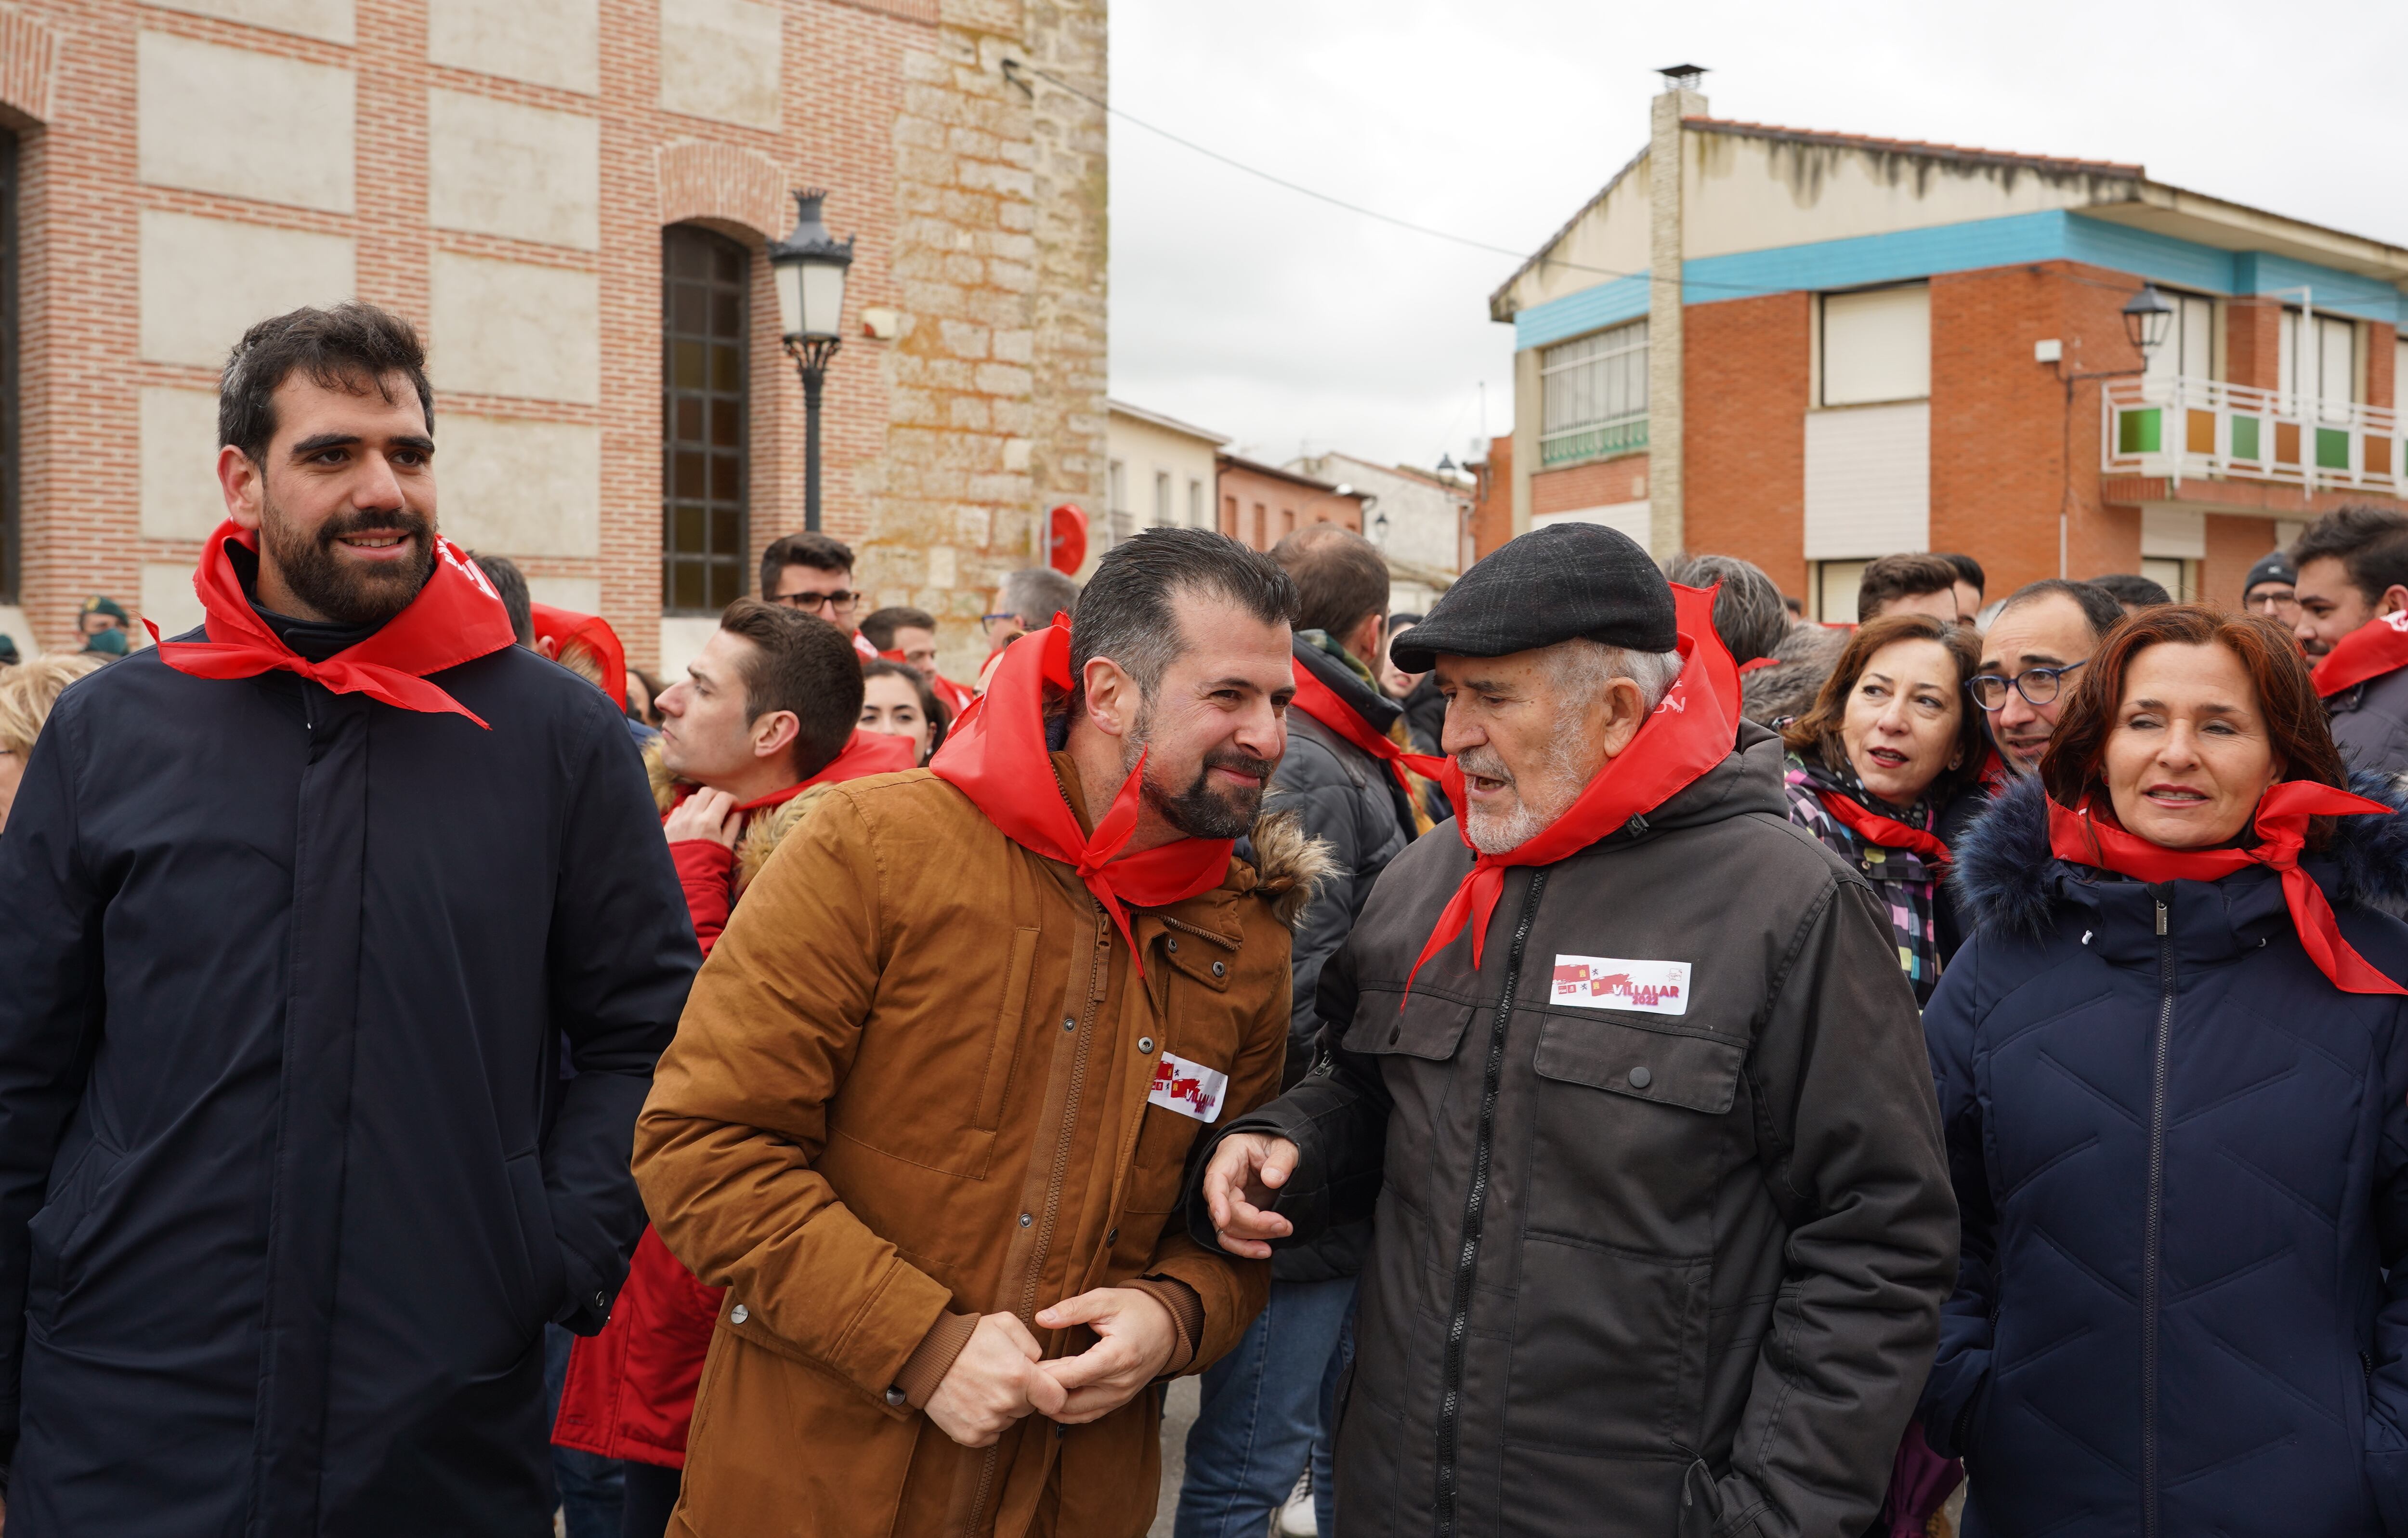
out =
column 2147, row 319
column 808, row 266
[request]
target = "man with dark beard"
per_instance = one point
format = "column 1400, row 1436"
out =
column 290, row 1176
column 927, row 1114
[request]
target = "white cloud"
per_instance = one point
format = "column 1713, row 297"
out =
column 1283, row 322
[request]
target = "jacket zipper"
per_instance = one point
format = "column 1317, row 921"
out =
column 2154, row 1225
column 1475, row 1205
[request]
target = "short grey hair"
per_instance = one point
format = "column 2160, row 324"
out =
column 1749, row 613
column 1037, row 594
column 1582, row 668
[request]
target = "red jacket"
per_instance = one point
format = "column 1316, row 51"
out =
column 630, row 1389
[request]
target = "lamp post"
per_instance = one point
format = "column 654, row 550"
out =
column 808, row 266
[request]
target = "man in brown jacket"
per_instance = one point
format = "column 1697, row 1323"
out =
column 928, row 1109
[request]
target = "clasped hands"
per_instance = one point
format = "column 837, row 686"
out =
column 998, row 1378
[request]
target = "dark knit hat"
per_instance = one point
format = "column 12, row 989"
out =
column 1556, row 583
column 2276, row 567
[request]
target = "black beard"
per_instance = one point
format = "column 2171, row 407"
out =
column 343, row 591
column 1202, row 812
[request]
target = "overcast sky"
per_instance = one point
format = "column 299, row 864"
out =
column 1289, row 324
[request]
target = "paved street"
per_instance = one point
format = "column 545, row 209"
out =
column 1178, row 1414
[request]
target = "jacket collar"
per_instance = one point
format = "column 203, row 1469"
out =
column 2005, row 876
column 1377, row 711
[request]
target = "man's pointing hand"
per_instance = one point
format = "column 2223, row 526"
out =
column 1245, row 1169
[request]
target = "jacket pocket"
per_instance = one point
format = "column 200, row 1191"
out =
column 1608, row 1349
column 1426, row 1027
column 1696, row 1072
column 56, row 1233
column 1003, row 1049
column 547, row 1271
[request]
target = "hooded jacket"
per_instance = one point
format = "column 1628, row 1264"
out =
column 1350, row 802
column 2369, row 722
column 1641, row 1270
column 290, row 1180
column 913, row 1088
column 2182, row 1157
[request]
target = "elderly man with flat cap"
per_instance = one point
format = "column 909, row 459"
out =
column 1625, row 1071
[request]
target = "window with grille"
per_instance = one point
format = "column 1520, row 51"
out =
column 704, row 401
column 1593, row 396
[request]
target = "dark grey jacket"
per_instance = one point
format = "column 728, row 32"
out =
column 2369, row 722
column 1347, row 798
column 1674, row 1271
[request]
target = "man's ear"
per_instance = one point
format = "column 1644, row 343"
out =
column 2394, row 599
column 1624, row 710
column 1363, row 642
column 774, row 733
column 1110, row 696
column 243, row 484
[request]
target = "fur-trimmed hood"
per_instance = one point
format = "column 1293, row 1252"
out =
column 2005, row 874
column 1289, row 865
column 762, row 834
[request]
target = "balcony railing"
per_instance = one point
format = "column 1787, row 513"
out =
column 1593, row 441
column 2205, row 428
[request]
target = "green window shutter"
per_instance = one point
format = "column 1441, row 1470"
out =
column 2244, row 438
column 2333, row 448
column 2139, row 432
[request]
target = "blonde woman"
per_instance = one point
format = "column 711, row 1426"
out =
column 27, row 692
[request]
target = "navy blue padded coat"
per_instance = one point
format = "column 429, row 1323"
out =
column 2182, row 1159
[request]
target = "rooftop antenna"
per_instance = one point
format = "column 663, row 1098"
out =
column 1682, row 77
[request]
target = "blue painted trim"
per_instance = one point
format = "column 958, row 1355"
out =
column 1899, row 255
column 1609, row 303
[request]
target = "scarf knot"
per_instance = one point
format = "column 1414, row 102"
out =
column 2085, row 836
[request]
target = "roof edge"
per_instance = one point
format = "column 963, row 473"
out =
column 1172, row 424
column 1496, row 298
column 1963, row 155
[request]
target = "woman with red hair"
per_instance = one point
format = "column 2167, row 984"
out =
column 2172, row 1069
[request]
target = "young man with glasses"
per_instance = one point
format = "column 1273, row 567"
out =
column 2272, row 589
column 813, row 573
column 2352, row 620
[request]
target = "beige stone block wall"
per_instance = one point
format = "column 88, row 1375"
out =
column 205, row 281
column 167, row 599
column 515, row 328
column 544, row 42
column 720, row 60
column 526, row 173
column 519, row 487
column 245, row 124
column 329, row 21
column 181, row 498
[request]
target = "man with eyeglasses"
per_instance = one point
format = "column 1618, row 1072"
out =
column 2033, row 657
column 813, row 573
column 2272, row 589
column 2351, row 618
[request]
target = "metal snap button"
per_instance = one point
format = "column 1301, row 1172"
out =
column 737, row 1314
column 1024, row 1220
column 1640, row 1078
column 1113, row 1237
column 1220, row 968
column 896, row 1399
column 1068, row 1024
column 1173, row 942
column 1145, row 1043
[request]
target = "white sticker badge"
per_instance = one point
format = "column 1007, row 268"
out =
column 1189, row 1088
column 1608, row 982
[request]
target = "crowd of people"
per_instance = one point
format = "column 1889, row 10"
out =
column 1604, row 1054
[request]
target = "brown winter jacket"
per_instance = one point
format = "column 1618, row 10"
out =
column 910, row 1089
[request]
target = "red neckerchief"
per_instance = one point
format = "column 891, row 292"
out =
column 2089, row 838
column 863, row 753
column 1747, row 667
column 1323, row 703
column 457, row 617
column 1994, row 778
column 1692, row 730
column 2374, row 649
column 565, row 627
column 1873, row 827
column 863, row 649
column 995, row 753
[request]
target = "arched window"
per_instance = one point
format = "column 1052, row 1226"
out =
column 705, row 402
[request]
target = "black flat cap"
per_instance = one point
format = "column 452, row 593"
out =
column 2274, row 567
column 1551, row 584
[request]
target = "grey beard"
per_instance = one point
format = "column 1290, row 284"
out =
column 1543, row 797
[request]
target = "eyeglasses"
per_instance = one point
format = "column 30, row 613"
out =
column 2274, row 604
column 842, row 602
column 2038, row 685
column 988, row 620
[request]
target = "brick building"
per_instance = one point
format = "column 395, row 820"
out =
column 1262, row 504
column 570, row 198
column 1880, row 346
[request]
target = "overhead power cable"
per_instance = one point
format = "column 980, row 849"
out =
column 1011, row 67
